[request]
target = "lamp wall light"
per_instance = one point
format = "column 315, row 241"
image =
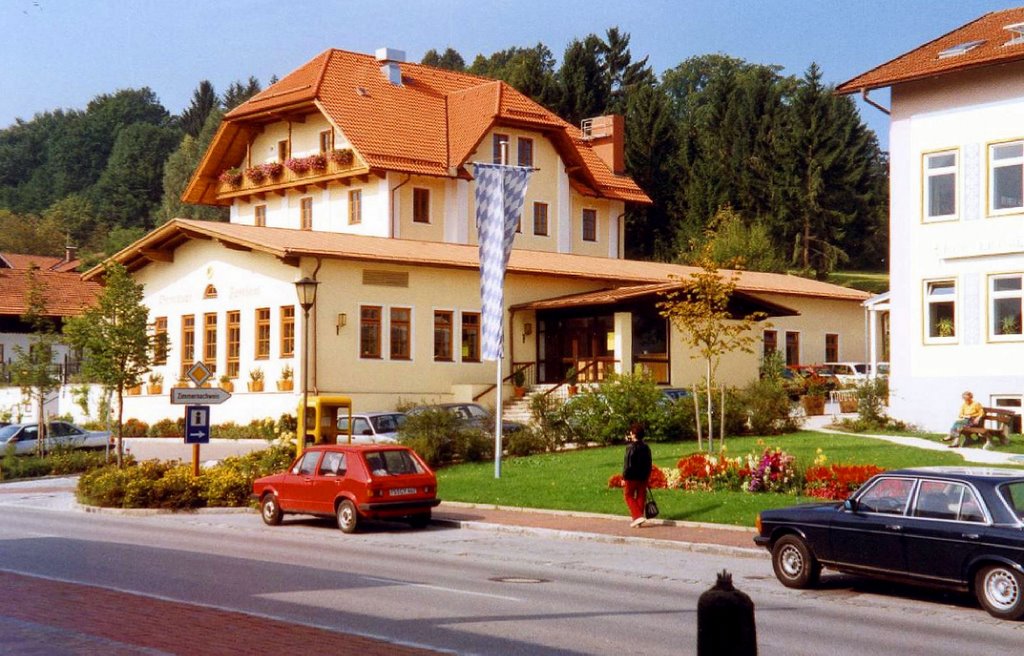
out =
column 341, row 323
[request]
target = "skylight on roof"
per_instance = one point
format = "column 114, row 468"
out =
column 960, row 48
column 1017, row 30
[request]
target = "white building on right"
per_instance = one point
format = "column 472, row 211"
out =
column 956, row 219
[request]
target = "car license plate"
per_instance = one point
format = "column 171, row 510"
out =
column 401, row 491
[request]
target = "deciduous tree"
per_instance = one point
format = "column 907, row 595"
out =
column 114, row 340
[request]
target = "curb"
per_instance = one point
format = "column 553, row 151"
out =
column 590, row 515
column 582, row 536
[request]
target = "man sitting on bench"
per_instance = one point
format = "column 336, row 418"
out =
column 971, row 414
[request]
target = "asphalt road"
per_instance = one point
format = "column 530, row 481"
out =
column 474, row 591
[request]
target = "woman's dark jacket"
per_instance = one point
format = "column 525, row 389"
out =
column 637, row 464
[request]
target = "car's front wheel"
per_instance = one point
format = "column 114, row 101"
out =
column 348, row 517
column 270, row 510
column 1000, row 591
column 794, row 564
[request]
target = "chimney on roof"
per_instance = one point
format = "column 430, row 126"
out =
column 607, row 136
column 390, row 59
column 70, row 253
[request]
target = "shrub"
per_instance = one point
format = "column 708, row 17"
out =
column 872, row 396
column 603, row 413
column 133, row 427
column 528, row 441
column 549, row 418
column 767, row 407
column 154, row 484
column 442, row 438
column 168, row 428
column 59, row 462
column 773, row 472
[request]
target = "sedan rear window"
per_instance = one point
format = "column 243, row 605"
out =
column 1013, row 494
column 950, row 501
column 392, row 463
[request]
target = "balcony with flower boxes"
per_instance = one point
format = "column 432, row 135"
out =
column 339, row 165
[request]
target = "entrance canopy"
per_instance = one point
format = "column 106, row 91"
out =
column 740, row 305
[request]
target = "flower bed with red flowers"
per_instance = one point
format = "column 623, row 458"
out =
column 837, row 482
column 772, row 470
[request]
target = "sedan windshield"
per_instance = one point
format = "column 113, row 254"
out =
column 387, row 423
column 7, row 432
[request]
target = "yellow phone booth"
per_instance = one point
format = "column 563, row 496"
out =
column 319, row 423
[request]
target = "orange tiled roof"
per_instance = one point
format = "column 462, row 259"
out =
column 290, row 244
column 44, row 262
column 925, row 61
column 428, row 125
column 66, row 293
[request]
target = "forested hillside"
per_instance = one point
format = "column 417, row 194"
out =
column 774, row 172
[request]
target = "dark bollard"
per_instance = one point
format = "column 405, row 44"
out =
column 725, row 621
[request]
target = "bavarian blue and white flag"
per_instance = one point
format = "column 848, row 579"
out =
column 500, row 194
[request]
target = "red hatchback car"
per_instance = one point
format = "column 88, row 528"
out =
column 352, row 482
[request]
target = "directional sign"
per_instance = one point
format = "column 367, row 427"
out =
column 197, row 424
column 199, row 373
column 204, row 395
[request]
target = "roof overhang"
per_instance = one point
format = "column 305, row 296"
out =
column 741, row 304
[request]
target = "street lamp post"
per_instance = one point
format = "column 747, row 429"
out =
column 305, row 287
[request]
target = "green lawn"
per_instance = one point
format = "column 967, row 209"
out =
column 578, row 480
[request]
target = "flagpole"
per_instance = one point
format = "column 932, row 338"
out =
column 497, row 419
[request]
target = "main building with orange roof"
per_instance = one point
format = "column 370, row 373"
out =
column 956, row 218
column 357, row 170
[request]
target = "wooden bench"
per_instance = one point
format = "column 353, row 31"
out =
column 996, row 423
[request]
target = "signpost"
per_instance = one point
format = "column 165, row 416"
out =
column 197, row 401
column 197, row 424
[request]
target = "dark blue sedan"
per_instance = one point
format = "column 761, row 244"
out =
column 960, row 528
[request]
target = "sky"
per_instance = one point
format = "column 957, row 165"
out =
column 61, row 53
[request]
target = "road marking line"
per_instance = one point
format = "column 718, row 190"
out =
column 440, row 588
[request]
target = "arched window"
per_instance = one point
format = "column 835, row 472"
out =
column 211, row 292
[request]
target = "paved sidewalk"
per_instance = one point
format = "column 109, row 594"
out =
column 687, row 536
column 46, row 617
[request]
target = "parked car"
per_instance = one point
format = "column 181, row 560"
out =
column 952, row 527
column 820, row 374
column 372, row 427
column 60, row 434
column 673, row 394
column 471, row 414
column 849, row 374
column 352, row 483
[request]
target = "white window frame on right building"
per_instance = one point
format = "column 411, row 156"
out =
column 1006, row 300
column 932, row 298
column 941, row 179
column 1006, row 164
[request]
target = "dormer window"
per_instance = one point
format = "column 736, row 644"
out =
column 960, row 49
column 1016, row 31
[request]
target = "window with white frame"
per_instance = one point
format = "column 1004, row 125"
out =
column 1006, row 294
column 1013, row 403
column 1006, row 176
column 940, row 311
column 940, row 171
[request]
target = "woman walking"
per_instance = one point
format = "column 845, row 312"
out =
column 636, row 470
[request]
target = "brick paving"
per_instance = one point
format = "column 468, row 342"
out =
column 53, row 618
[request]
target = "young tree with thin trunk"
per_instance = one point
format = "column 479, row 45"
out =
column 33, row 369
column 700, row 308
column 114, row 340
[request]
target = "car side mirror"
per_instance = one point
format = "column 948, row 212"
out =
column 850, row 505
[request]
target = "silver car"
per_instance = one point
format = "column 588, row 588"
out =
column 372, row 427
column 60, row 435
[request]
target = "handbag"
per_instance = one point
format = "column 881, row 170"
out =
column 651, row 507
